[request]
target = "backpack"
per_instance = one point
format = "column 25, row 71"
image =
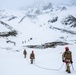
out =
column 68, row 55
column 32, row 56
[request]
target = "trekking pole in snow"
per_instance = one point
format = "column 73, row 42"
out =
column 72, row 67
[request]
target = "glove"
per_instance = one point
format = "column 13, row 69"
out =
column 63, row 60
column 71, row 62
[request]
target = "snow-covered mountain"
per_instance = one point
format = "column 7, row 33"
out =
column 45, row 17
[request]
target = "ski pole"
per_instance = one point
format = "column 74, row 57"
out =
column 72, row 67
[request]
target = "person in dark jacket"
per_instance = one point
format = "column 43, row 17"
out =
column 67, row 58
column 32, row 57
column 25, row 53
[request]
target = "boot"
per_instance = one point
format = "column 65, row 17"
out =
column 68, row 69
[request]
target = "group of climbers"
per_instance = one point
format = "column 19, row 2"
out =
column 66, row 58
column 32, row 55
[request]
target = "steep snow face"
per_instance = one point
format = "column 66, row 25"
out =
column 42, row 22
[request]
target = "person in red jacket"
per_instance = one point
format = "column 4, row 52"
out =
column 32, row 57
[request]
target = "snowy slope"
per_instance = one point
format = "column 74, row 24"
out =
column 47, row 61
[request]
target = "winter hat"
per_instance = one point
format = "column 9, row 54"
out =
column 66, row 48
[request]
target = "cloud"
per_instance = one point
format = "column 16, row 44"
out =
column 14, row 4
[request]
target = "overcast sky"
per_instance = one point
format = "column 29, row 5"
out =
column 14, row 4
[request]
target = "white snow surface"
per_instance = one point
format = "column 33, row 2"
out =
column 47, row 61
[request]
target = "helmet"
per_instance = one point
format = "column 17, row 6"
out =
column 32, row 51
column 66, row 48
